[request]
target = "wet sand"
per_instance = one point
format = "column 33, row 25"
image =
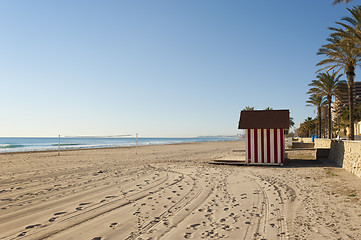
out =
column 172, row 192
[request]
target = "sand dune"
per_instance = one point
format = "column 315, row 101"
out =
column 171, row 192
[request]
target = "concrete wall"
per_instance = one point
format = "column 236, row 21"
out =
column 319, row 142
column 351, row 156
column 346, row 154
column 322, row 143
column 336, row 154
column 305, row 140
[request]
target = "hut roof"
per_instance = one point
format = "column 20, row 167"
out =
column 264, row 119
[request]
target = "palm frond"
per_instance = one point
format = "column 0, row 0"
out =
column 335, row 2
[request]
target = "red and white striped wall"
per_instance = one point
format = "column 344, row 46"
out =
column 264, row 146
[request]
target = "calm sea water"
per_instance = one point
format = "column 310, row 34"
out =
column 43, row 144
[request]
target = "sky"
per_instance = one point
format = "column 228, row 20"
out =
column 165, row 68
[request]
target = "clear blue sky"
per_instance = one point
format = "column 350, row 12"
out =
column 157, row 68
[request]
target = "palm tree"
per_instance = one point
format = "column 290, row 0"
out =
column 292, row 123
column 248, row 108
column 307, row 127
column 318, row 101
column 347, row 40
column 326, row 85
column 342, row 53
column 343, row 117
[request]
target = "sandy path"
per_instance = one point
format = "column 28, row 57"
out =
column 171, row 192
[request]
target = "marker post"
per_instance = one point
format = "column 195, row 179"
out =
column 136, row 144
column 59, row 146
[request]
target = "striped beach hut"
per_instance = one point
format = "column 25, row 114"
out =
column 264, row 133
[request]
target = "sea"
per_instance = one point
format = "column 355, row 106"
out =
column 29, row 144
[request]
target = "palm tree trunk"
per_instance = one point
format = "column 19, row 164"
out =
column 329, row 99
column 319, row 121
column 350, row 73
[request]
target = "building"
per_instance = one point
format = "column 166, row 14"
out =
column 264, row 133
column 341, row 103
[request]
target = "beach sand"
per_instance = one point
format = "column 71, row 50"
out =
column 172, row 192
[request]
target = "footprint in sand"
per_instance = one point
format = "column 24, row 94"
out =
column 32, row 226
column 110, row 196
column 22, row 234
column 82, row 204
column 188, row 235
column 112, row 225
column 195, row 226
column 59, row 213
column 226, row 227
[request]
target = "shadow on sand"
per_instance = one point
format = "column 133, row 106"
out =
column 289, row 163
column 301, row 163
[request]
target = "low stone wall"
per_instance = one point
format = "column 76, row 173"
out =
column 305, row 140
column 322, row 143
column 346, row 154
column 337, row 153
column 352, row 157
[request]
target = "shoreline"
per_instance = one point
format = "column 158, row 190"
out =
column 103, row 148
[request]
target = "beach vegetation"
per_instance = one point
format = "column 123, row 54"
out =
column 353, row 194
column 330, row 173
column 317, row 100
column 326, row 85
column 248, row 108
column 343, row 52
column 342, row 117
column 307, row 128
column 292, row 123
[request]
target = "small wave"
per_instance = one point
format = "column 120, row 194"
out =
column 66, row 144
column 11, row 146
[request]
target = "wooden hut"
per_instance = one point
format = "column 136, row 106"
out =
column 264, row 133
